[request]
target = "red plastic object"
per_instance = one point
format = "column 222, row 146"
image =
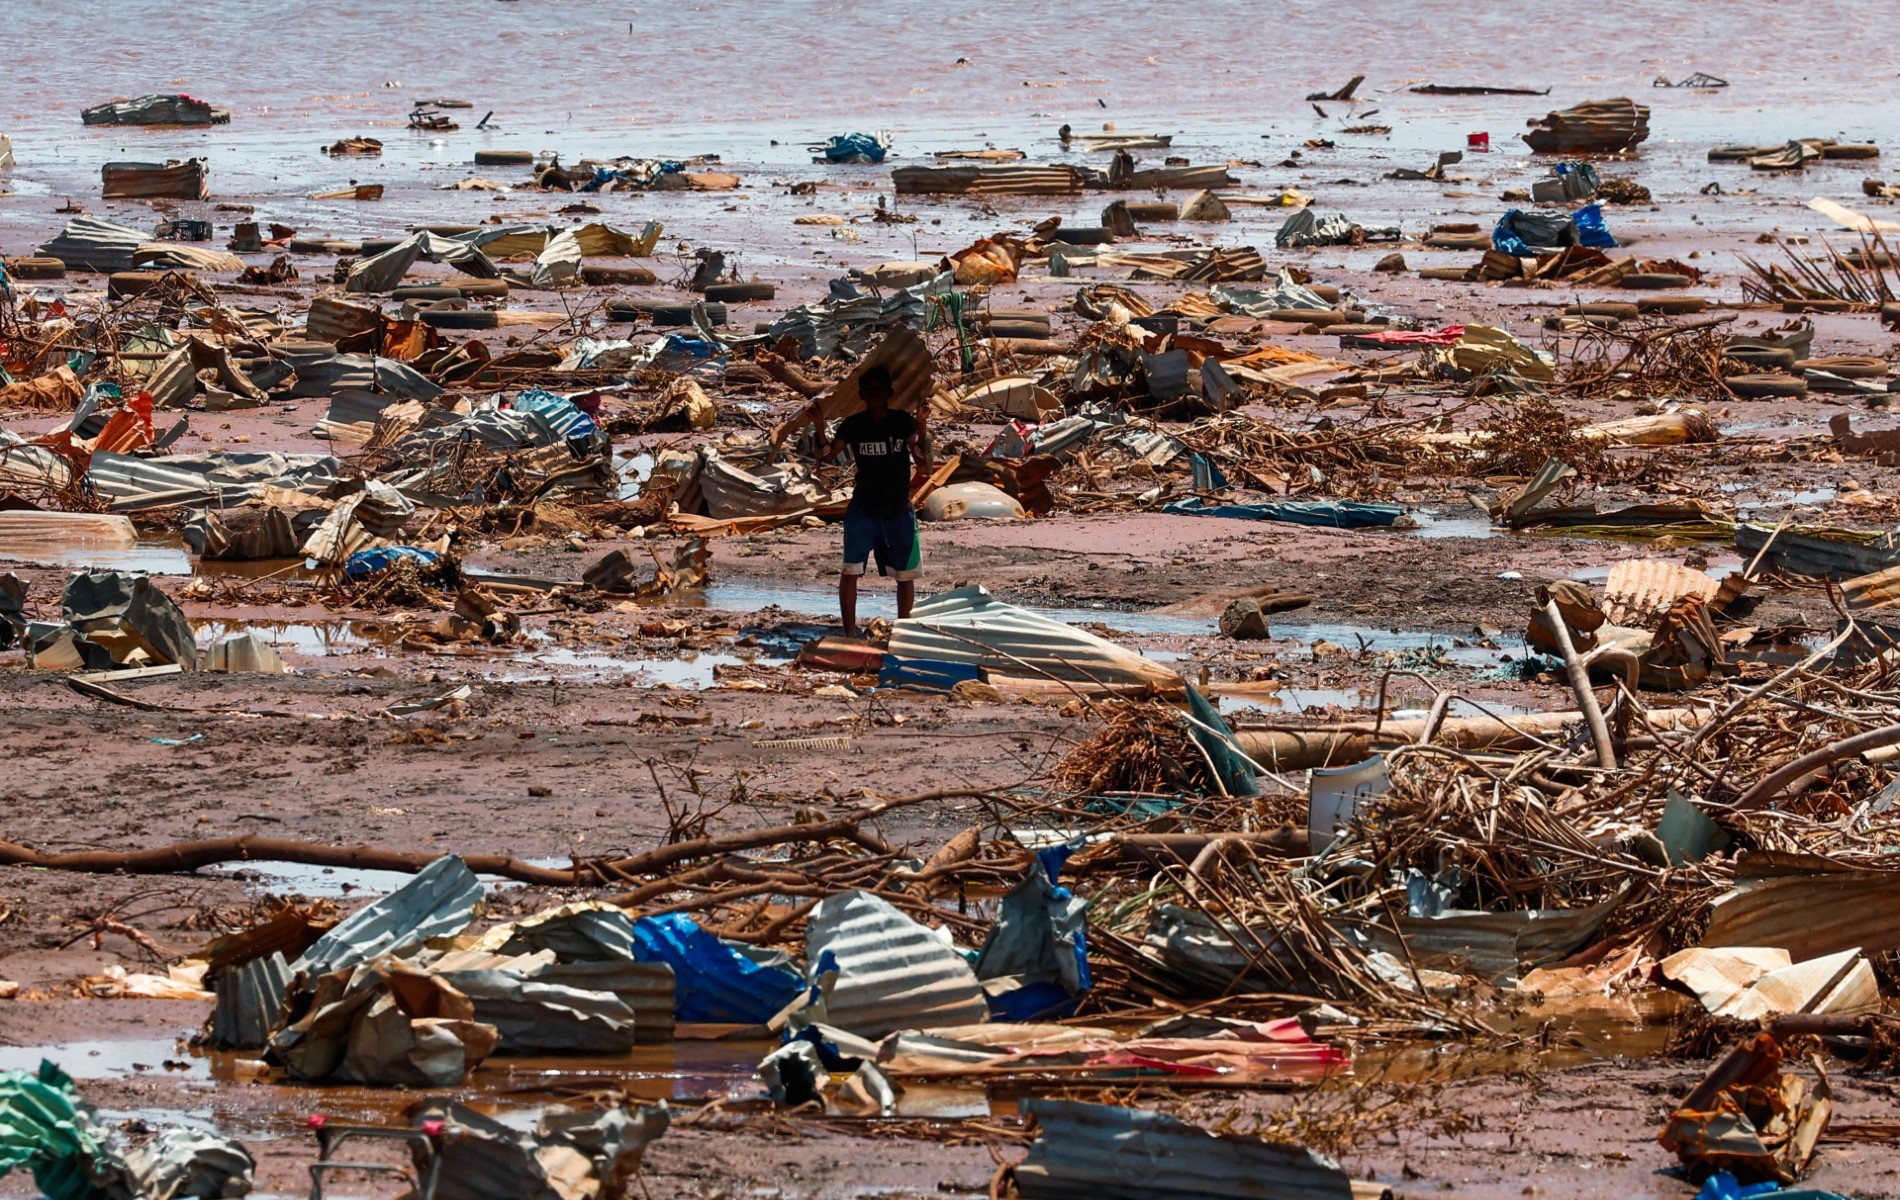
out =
column 1477, row 141
column 317, row 1120
column 432, row 1129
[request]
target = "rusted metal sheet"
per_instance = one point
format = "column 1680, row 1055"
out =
column 987, row 181
column 1810, row 911
column 1596, row 127
column 177, row 179
column 1102, row 1152
column 1640, row 590
column 331, row 319
column 892, row 973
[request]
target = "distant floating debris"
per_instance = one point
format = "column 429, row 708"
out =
column 1473, row 89
column 1700, row 79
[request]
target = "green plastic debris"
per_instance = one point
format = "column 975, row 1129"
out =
column 47, row 1129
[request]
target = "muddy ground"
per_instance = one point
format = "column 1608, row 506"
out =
column 570, row 738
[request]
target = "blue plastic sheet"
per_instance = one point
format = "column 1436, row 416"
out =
column 713, row 982
column 1724, row 1186
column 1040, row 941
column 566, row 420
column 1527, row 234
column 855, row 148
column 923, row 674
column 366, row 563
column 1333, row 514
column 1592, row 230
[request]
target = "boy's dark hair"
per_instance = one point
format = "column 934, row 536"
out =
column 878, row 379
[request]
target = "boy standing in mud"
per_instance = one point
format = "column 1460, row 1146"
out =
column 883, row 442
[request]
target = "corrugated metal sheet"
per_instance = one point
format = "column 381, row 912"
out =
column 558, row 262
column 1101, row 1152
column 987, row 181
column 91, row 244
column 24, row 534
column 132, row 484
column 1496, row 944
column 969, row 625
column 322, row 377
column 441, row 900
column 1829, row 557
column 250, row 1003
column 1639, row 590
column 1811, row 914
column 645, row 988
column 331, row 319
column 155, row 110
column 893, row 973
column 822, row 328
column 142, row 180
column 1161, row 178
column 535, row 1015
column 595, row 950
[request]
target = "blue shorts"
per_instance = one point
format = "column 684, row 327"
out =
column 892, row 539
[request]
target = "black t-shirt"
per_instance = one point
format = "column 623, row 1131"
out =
column 882, row 451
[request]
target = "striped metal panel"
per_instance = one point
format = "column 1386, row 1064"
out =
column 331, row 319
column 131, row 484
column 94, row 245
column 893, row 973
column 250, row 1003
column 1101, row 1152
column 987, row 181
column 645, row 988
column 536, row 1015
column 439, row 901
column 969, row 625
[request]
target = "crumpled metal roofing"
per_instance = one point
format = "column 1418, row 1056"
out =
column 855, row 316
column 970, row 626
column 595, row 950
column 1809, row 914
column 441, row 900
column 250, row 1002
column 90, row 244
column 321, row 376
column 892, row 973
column 131, row 484
column 533, row 1014
column 1102, row 1152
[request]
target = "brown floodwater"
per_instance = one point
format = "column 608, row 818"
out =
column 758, row 82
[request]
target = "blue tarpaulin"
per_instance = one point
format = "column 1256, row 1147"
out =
column 1527, row 234
column 1334, row 514
column 923, row 674
column 567, row 421
column 365, row 563
column 1039, row 946
column 855, row 148
column 713, row 982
